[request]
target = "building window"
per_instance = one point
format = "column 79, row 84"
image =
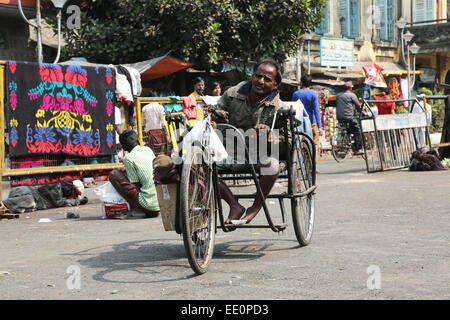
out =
column 385, row 16
column 424, row 10
column 349, row 18
column 323, row 26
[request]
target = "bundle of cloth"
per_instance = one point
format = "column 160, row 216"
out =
column 164, row 170
column 425, row 159
column 41, row 197
column 128, row 83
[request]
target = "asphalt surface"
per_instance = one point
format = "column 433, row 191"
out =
column 376, row 236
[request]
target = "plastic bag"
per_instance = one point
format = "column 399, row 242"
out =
column 107, row 193
column 197, row 133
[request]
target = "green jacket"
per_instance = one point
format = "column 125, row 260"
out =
column 243, row 116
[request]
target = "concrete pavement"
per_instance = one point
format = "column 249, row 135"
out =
column 376, row 236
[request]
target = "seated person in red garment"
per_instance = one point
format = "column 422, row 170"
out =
column 385, row 107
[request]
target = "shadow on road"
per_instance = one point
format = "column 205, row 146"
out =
column 160, row 260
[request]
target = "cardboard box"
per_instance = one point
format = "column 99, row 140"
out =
column 114, row 210
column 167, row 198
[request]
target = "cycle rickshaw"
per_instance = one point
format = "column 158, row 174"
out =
column 199, row 211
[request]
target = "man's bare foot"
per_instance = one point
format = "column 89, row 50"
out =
column 236, row 212
column 251, row 213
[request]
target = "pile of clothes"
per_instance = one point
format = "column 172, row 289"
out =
column 41, row 197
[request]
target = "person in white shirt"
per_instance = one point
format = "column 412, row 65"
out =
column 153, row 121
column 423, row 108
column 152, row 115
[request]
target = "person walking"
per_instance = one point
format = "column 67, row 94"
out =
column 310, row 101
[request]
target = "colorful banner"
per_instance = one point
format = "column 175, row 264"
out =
column 60, row 109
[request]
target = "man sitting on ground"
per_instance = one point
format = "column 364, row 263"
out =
column 135, row 183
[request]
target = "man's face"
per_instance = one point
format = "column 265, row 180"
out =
column 263, row 80
column 199, row 86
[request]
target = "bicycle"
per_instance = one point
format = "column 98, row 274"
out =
column 342, row 142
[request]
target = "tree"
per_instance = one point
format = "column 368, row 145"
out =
column 201, row 31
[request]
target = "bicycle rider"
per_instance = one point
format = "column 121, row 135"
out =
column 344, row 113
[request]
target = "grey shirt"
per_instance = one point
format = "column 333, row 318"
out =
column 344, row 105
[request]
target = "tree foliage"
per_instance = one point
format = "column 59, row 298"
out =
column 201, row 31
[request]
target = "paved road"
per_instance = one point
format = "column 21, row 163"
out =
column 377, row 236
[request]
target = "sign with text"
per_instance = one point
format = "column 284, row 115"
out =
column 336, row 52
column 395, row 121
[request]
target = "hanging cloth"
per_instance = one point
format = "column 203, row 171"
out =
column 173, row 107
column 190, row 107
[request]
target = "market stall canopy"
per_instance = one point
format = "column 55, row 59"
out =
column 159, row 67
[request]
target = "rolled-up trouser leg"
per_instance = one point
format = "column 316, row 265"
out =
column 128, row 191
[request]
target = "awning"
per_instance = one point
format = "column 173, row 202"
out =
column 356, row 71
column 159, row 67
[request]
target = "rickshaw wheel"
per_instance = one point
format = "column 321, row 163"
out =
column 303, row 177
column 197, row 211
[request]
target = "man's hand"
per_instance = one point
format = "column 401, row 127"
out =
column 222, row 115
column 320, row 132
column 261, row 127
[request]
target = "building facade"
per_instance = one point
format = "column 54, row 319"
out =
column 16, row 42
column 373, row 27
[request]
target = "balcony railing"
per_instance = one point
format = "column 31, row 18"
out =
column 431, row 35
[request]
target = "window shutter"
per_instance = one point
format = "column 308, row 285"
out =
column 390, row 20
column 380, row 17
column 323, row 26
column 424, row 10
column 419, row 10
column 344, row 17
column 430, row 10
column 354, row 18
column 386, row 17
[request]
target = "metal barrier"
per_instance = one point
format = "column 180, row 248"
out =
column 389, row 140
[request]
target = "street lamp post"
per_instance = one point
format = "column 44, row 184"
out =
column 405, row 39
column 308, row 37
column 59, row 4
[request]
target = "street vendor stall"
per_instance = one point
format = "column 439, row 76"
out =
column 57, row 123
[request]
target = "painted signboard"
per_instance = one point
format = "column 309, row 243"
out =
column 336, row 52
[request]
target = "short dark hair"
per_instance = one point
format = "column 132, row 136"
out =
column 306, row 80
column 215, row 84
column 198, row 79
column 275, row 64
column 128, row 139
